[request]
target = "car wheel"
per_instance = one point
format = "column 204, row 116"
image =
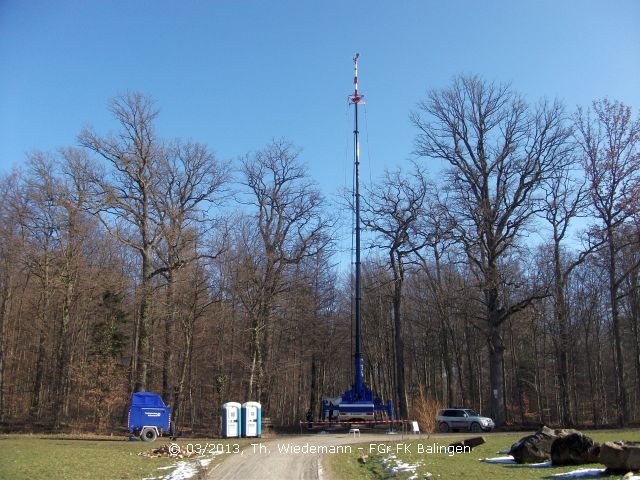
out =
column 443, row 427
column 148, row 434
column 475, row 427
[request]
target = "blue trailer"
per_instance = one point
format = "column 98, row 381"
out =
column 149, row 417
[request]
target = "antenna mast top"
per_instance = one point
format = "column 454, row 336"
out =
column 355, row 98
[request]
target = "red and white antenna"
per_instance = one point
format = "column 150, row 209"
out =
column 355, row 98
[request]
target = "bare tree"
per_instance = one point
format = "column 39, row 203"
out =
column 610, row 142
column 391, row 210
column 565, row 199
column 499, row 149
column 9, row 246
column 290, row 228
column 38, row 215
column 65, row 193
column 126, row 199
column 435, row 242
column 192, row 181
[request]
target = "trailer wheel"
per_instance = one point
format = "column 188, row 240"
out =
column 148, row 434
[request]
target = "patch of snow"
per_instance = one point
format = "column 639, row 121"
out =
column 506, row 460
column 502, row 452
column 394, row 466
column 168, row 467
column 546, row 464
column 183, row 471
column 413, row 477
column 582, row 473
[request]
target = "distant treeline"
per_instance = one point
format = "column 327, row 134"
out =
column 509, row 285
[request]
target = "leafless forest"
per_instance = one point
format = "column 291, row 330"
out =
column 507, row 283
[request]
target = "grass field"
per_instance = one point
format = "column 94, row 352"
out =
column 458, row 466
column 36, row 457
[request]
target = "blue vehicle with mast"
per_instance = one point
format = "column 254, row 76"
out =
column 358, row 404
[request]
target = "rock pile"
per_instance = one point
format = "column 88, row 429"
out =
column 571, row 447
column 562, row 447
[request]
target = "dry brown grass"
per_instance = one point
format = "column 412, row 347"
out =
column 424, row 410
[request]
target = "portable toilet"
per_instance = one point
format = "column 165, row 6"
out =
column 251, row 419
column 231, row 417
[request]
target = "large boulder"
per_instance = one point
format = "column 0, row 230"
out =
column 534, row 448
column 620, row 456
column 574, row 448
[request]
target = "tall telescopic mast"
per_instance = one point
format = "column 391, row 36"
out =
column 358, row 403
column 355, row 99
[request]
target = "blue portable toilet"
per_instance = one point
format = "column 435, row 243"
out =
column 251, row 419
column 231, row 419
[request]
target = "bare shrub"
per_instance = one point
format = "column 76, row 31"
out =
column 424, row 410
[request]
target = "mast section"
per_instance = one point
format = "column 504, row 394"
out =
column 355, row 99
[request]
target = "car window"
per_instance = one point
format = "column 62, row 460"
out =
column 472, row 413
column 449, row 413
column 458, row 413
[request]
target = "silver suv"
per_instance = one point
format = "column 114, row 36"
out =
column 462, row 419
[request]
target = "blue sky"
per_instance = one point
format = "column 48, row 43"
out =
column 235, row 74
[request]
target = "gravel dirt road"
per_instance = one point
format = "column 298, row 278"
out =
column 276, row 461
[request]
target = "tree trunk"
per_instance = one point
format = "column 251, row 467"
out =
column 592, row 380
column 635, row 327
column 4, row 312
column 470, row 369
column 167, row 358
column 255, row 375
column 313, row 400
column 178, row 391
column 621, row 392
column 41, row 320
column 63, row 353
column 496, row 374
column 566, row 415
column 144, row 343
column 398, row 274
